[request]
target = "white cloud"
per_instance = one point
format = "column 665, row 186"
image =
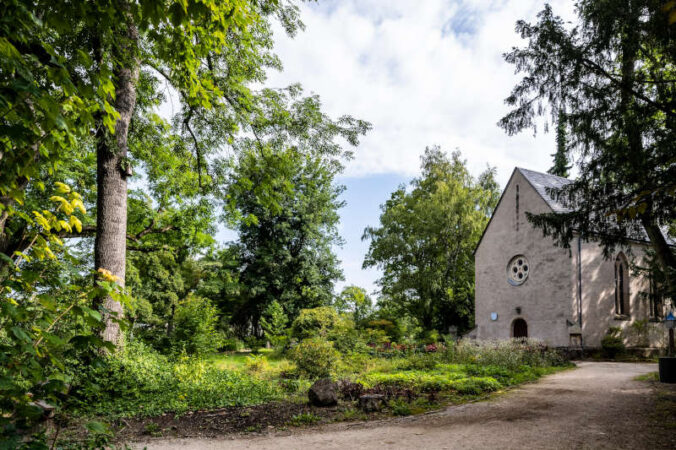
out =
column 426, row 72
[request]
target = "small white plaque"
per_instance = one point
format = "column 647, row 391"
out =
column 494, row 316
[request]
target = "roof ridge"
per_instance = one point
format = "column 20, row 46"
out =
column 547, row 174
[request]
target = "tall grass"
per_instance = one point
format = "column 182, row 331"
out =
column 509, row 354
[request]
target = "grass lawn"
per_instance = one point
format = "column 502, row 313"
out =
column 237, row 360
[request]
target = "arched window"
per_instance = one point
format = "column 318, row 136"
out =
column 621, row 285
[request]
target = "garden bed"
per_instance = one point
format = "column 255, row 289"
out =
column 148, row 395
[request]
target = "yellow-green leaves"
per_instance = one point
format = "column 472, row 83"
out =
column 62, row 188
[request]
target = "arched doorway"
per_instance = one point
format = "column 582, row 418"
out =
column 519, row 328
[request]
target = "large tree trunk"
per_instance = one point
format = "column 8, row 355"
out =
column 664, row 254
column 111, row 152
column 636, row 155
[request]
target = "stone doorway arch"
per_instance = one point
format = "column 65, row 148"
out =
column 519, row 328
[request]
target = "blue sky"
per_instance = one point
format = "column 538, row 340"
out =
column 426, row 72
column 423, row 73
column 363, row 197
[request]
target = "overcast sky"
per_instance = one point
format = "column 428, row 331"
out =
column 422, row 72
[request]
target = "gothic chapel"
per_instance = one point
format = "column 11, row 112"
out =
column 528, row 287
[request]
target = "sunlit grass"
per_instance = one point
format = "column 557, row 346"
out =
column 237, row 360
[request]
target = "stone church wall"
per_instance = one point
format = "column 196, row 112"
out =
column 549, row 298
column 598, row 299
column 546, row 299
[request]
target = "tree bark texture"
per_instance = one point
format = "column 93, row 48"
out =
column 664, row 254
column 111, row 202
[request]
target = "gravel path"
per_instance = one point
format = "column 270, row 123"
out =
column 597, row 405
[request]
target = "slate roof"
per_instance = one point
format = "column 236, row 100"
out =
column 542, row 182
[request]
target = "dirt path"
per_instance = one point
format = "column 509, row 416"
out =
column 597, row 405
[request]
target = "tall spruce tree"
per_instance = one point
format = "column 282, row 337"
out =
column 613, row 72
column 561, row 167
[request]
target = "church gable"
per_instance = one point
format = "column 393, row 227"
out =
column 524, row 283
column 527, row 286
column 526, row 191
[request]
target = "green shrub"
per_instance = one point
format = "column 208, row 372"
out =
column 382, row 330
column 273, row 322
column 431, row 337
column 314, row 322
column 231, row 345
column 195, row 327
column 257, row 364
column 400, row 407
column 612, row 343
column 305, row 419
column 315, row 357
column 346, row 338
column 414, row 380
column 375, row 336
column 475, row 385
column 422, row 361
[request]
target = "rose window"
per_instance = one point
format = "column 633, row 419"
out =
column 517, row 270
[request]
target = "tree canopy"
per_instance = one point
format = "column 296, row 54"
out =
column 611, row 74
column 426, row 239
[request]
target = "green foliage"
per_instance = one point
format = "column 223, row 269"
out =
column 601, row 71
column 418, row 380
column 283, row 200
column 47, row 322
column 315, row 357
column 274, row 322
column 612, row 344
column 195, row 327
column 304, row 419
column 257, row 364
column 138, row 381
column 380, row 329
column 510, row 354
column 231, row 345
column 561, row 165
column 421, row 361
column 426, row 239
column 355, row 301
column 422, row 381
column 347, row 339
column 152, row 429
column 400, row 407
column 64, row 68
column 314, row 322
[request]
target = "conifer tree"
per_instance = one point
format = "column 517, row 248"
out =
column 561, row 165
column 613, row 74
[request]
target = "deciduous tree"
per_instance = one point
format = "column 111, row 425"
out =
column 426, row 239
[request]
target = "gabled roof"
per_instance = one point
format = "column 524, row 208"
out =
column 543, row 183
